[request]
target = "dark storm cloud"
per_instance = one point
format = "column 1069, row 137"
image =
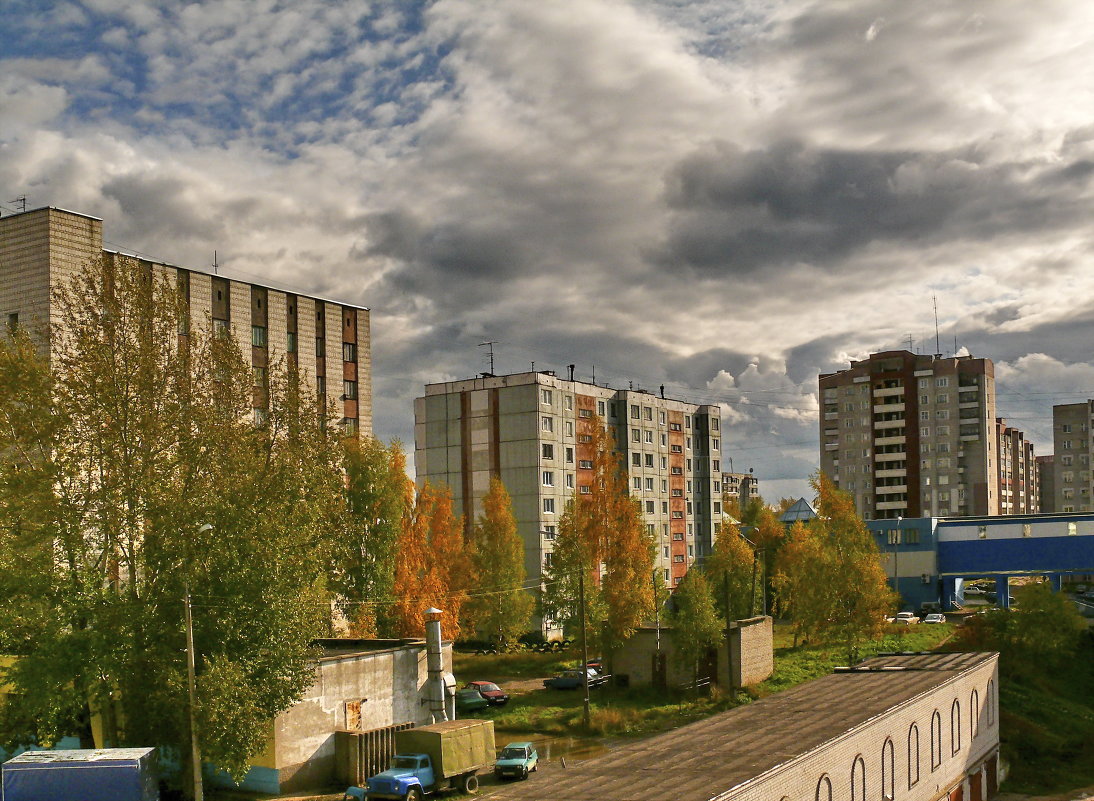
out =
column 738, row 211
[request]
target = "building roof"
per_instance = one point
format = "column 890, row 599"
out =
column 711, row 757
column 339, row 647
column 801, row 510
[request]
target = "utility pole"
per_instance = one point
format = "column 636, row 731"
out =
column 729, row 632
column 585, row 719
column 195, row 752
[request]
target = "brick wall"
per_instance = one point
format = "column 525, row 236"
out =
column 751, row 651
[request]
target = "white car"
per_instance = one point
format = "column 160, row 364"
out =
column 906, row 618
column 935, row 617
column 974, row 591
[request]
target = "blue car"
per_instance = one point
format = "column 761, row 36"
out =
column 516, row 761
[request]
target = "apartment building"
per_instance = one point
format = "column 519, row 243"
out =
column 1071, row 426
column 1019, row 479
column 41, row 250
column 741, row 487
column 912, row 435
column 533, row 431
column 1046, row 477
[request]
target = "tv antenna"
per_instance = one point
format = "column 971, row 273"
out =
column 490, row 352
column 937, row 345
column 21, row 201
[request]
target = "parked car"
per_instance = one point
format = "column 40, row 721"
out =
column 494, row 695
column 974, row 590
column 573, row 679
column 935, row 617
column 904, row 618
column 470, row 701
column 517, row 760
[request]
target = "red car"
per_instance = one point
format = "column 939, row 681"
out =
column 493, row 694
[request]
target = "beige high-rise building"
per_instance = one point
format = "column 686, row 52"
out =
column 42, row 249
column 911, row 435
column 1019, row 479
column 1073, row 487
column 533, row 431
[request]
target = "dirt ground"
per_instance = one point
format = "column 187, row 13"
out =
column 1080, row 794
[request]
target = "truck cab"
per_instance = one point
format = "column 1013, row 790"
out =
column 409, row 776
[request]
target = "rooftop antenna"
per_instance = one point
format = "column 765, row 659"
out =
column 955, row 345
column 533, row 367
column 937, row 346
column 594, row 374
column 216, row 266
column 911, row 343
column 22, row 201
column 490, row 350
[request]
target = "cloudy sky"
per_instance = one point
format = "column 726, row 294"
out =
column 725, row 197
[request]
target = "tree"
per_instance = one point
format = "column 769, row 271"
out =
column 378, row 496
column 730, row 572
column 696, row 625
column 502, row 606
column 829, row 575
column 602, row 537
column 116, row 449
column 419, row 583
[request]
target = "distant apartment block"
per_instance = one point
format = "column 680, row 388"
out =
column 533, row 431
column 1045, row 467
column 329, row 341
column 1019, row 479
column 916, row 435
column 1071, row 426
column 741, row 487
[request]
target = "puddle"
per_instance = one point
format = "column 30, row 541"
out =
column 552, row 748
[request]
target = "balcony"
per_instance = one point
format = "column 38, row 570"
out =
column 891, row 473
column 888, row 392
column 882, row 441
column 891, row 505
column 899, row 456
column 893, row 489
column 831, row 415
column 831, row 446
column 897, row 423
column 886, row 408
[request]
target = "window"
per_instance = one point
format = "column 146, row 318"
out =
column 600, row 407
column 664, row 507
column 584, row 412
column 635, row 412
column 678, row 558
column 649, row 485
column 258, row 336
column 636, row 435
column 585, row 489
column 661, row 418
column 570, row 404
column 349, row 351
column 858, row 780
column 1066, row 428
column 569, row 456
column 569, row 429
column 548, row 559
column 664, row 440
column 647, row 413
column 290, row 341
column 942, row 382
column 649, row 437
column 349, row 389
column 974, row 714
column 548, row 532
column 913, row 756
column 888, row 775
column 636, row 459
column 955, row 727
column 585, row 464
column 943, row 398
column 548, row 478
column 569, row 481
column 717, row 467
column 549, row 506
column 320, row 348
column 349, row 426
column 717, row 507
column 548, row 424
column 547, row 450
column 545, row 397
column 678, row 536
column 636, row 483
column 649, row 460
column 260, row 416
column 259, row 374
column 650, row 507
column 677, row 515
column 320, row 386
column 925, row 415
column 714, row 423
column 936, row 740
column 220, row 328
column 665, row 552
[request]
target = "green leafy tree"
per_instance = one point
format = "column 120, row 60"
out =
column 829, row 577
column 601, row 538
column 730, row 571
column 378, row 496
column 115, row 452
column 502, row 606
column 696, row 625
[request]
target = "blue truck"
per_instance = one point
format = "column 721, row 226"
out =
column 99, row 774
column 441, row 756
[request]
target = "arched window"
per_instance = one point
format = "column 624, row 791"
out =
column 936, row 740
column 955, row 727
column 824, row 789
column 974, row 714
column 913, row 756
column 858, row 779
column 990, row 701
column 888, row 771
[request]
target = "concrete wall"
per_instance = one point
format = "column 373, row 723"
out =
column 752, row 656
column 388, row 684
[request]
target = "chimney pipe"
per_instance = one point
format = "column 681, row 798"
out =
column 435, row 683
column 662, row 392
column 571, row 368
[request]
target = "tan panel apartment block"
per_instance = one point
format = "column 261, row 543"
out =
column 201, row 302
column 240, row 311
column 24, row 269
column 305, row 339
column 276, row 325
column 364, row 372
column 332, row 316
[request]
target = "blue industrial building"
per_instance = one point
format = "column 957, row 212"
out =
column 929, row 559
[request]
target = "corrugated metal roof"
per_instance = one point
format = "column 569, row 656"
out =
column 709, row 758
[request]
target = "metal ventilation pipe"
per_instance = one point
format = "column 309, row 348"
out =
column 435, row 684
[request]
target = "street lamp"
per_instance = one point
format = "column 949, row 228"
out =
column 195, row 752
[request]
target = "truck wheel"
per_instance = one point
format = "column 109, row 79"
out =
column 470, row 783
column 414, row 794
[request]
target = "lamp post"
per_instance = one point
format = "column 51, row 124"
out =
column 195, row 751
